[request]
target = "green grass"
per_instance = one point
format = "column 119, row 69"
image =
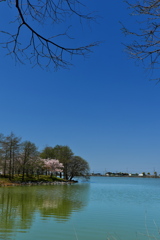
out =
column 31, row 178
column 5, row 179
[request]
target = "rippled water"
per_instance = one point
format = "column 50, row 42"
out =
column 101, row 209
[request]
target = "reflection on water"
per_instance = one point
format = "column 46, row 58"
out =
column 18, row 205
column 105, row 208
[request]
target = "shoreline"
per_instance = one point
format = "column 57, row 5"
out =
column 65, row 182
column 125, row 176
column 41, row 183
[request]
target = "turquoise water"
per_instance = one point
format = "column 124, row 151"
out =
column 103, row 208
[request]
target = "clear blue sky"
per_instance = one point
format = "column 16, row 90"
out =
column 104, row 108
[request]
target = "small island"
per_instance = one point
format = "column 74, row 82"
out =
column 22, row 164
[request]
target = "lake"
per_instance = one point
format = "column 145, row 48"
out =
column 104, row 208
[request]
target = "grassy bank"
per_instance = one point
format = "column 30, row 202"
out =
column 17, row 180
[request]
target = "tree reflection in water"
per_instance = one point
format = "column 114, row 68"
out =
column 18, row 205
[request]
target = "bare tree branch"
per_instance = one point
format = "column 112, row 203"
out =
column 37, row 47
column 145, row 45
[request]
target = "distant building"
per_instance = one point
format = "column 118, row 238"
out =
column 108, row 173
column 141, row 174
column 133, row 174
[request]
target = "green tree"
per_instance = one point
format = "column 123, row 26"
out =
column 155, row 174
column 2, row 154
column 28, row 157
column 48, row 152
column 78, row 167
column 73, row 165
column 10, row 147
column 64, row 155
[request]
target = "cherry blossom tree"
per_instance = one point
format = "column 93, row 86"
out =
column 53, row 165
column 73, row 166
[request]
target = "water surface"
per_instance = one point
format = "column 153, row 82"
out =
column 103, row 208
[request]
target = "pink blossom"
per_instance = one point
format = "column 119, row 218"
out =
column 53, row 165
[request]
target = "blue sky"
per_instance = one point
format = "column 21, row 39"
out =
column 104, row 108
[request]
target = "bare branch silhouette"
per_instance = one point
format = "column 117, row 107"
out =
column 146, row 40
column 37, row 47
